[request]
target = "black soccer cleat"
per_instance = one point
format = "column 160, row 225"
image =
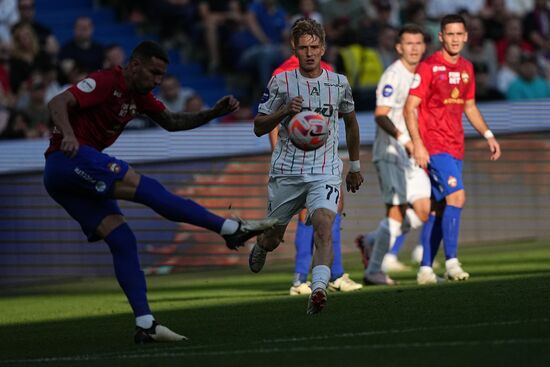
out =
column 247, row 230
column 156, row 333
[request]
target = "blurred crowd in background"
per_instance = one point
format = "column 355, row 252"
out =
column 243, row 41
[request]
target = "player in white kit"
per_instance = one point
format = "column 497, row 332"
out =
column 309, row 179
column 402, row 182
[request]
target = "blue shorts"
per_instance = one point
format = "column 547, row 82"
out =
column 83, row 186
column 445, row 175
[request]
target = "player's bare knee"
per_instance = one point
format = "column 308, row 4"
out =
column 109, row 224
column 126, row 188
column 457, row 199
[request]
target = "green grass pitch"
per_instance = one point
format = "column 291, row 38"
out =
column 500, row 317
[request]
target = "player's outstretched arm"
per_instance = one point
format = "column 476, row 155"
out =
column 178, row 121
column 383, row 120
column 59, row 112
column 263, row 123
column 420, row 153
column 478, row 122
column 354, row 179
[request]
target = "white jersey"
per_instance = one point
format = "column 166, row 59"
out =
column 328, row 94
column 392, row 91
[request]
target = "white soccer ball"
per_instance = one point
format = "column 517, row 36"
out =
column 308, row 130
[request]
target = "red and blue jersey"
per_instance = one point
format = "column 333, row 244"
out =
column 444, row 88
column 105, row 106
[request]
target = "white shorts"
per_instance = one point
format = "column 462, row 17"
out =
column 287, row 195
column 401, row 185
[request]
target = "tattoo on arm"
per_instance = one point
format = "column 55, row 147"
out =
column 178, row 121
column 386, row 124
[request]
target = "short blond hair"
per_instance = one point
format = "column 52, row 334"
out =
column 306, row 27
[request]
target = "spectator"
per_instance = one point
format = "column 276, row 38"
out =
column 173, row 95
column 25, row 56
column 307, row 9
column 17, row 126
column 6, row 96
column 495, row 15
column 508, row 71
column 114, row 56
column 536, row 26
column 266, row 21
column 37, row 110
column 176, row 19
column 339, row 12
column 218, row 17
column 485, row 89
column 46, row 39
column 8, row 17
column 53, row 88
column 82, row 49
column 376, row 20
column 481, row 51
column 195, row 103
column 528, row 84
column 243, row 114
column 513, row 35
column 386, row 46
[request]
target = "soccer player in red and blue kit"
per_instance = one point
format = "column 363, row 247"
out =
column 88, row 118
column 443, row 89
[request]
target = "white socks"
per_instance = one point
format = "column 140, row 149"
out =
column 145, row 321
column 230, row 226
column 320, row 276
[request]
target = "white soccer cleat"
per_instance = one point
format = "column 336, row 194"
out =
column 426, row 276
column 256, row 259
column 299, row 289
column 156, row 333
column 416, row 254
column 247, row 230
column 455, row 271
column 379, row 278
column 391, row 264
column 344, row 284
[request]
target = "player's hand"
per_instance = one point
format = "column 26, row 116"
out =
column 421, row 155
column 295, row 105
column 353, row 181
column 226, row 105
column 409, row 147
column 70, row 146
column 495, row 148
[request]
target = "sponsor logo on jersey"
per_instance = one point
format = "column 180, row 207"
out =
column 327, row 84
column 465, row 77
column 127, row 107
column 387, row 90
column 327, row 110
column 86, row 85
column 454, row 77
column 416, row 81
column 437, row 68
column 114, row 167
column 451, row 181
column 265, row 96
column 314, row 92
column 117, row 93
column 455, row 93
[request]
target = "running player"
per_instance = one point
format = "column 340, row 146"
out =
column 312, row 179
column 88, row 118
column 339, row 279
column 444, row 89
column 403, row 183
